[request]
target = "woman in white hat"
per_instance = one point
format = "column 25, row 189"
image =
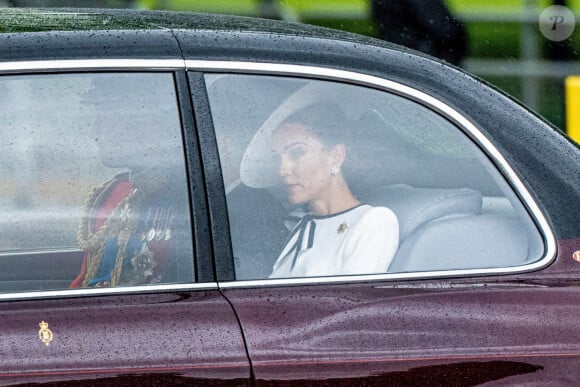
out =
column 340, row 235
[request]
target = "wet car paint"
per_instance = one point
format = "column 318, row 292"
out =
column 466, row 330
column 188, row 335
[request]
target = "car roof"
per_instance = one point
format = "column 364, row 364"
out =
column 81, row 31
column 94, row 19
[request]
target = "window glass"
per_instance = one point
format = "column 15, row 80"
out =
column 93, row 182
column 326, row 179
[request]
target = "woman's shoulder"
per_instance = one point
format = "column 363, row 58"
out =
column 377, row 225
column 378, row 215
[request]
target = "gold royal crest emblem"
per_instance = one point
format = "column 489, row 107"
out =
column 44, row 334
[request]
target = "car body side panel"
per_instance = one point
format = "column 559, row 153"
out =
column 470, row 329
column 185, row 335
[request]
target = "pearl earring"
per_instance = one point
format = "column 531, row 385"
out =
column 335, row 170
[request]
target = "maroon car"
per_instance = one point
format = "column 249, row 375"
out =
column 224, row 200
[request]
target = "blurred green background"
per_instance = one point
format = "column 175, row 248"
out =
column 505, row 46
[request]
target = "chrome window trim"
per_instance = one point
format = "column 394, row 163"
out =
column 92, row 64
column 427, row 101
column 40, row 252
column 92, row 292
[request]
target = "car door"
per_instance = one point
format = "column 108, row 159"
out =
column 474, row 293
column 106, row 268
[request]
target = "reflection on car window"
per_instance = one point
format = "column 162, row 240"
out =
column 95, row 182
column 326, row 179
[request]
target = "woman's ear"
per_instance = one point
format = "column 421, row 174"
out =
column 338, row 155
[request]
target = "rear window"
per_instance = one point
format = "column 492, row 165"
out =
column 324, row 178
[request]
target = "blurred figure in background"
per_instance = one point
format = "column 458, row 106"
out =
column 426, row 26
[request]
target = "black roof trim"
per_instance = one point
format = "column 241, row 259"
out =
column 86, row 19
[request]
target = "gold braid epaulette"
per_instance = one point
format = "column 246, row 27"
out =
column 121, row 223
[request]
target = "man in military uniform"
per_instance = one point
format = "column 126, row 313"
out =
column 132, row 224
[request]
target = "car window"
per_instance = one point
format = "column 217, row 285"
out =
column 324, row 178
column 93, row 181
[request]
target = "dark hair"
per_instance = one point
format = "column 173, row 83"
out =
column 326, row 120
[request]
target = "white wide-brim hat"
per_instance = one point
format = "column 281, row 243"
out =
column 259, row 166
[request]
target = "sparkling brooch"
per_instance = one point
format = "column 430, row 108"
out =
column 342, row 228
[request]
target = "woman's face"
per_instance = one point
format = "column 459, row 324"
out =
column 305, row 163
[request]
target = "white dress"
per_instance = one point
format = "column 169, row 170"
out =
column 361, row 240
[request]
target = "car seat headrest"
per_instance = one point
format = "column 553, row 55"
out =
column 416, row 206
